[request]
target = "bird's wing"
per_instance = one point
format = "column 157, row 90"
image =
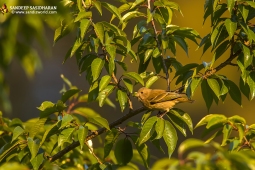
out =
column 156, row 95
column 168, row 96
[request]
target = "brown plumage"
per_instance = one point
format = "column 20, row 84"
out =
column 157, row 99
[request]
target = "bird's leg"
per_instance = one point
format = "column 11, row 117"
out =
column 161, row 114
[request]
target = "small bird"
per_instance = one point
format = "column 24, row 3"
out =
column 157, row 99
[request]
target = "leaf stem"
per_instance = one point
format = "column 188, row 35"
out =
column 158, row 44
column 93, row 153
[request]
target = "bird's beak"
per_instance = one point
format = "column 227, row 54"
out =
column 135, row 94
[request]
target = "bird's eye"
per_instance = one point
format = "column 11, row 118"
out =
column 141, row 92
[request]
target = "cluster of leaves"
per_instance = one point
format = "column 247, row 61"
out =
column 104, row 46
column 33, row 142
column 100, row 49
column 233, row 31
column 17, row 35
column 218, row 159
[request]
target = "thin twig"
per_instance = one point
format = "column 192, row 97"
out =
column 158, row 44
column 93, row 153
column 96, row 133
column 222, row 65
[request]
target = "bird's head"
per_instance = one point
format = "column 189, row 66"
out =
column 143, row 93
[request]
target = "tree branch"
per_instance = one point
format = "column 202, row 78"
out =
column 158, row 44
column 96, row 133
column 222, row 65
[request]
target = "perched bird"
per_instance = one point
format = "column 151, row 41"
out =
column 157, row 99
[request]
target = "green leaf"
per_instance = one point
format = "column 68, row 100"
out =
column 204, row 120
column 136, row 3
column 157, row 63
column 170, row 137
column 17, row 132
column 105, row 80
column 110, row 138
column 247, row 56
column 84, row 25
column 97, row 4
column 37, row 161
column 251, row 83
column 123, row 151
column 33, row 146
column 85, row 62
column 231, row 27
column 66, row 120
column 52, row 130
column 93, row 92
column 99, row 29
column 244, row 11
column 181, row 41
column 216, row 34
column 252, row 4
column 207, row 94
column 96, row 68
column 194, row 84
column 151, row 81
column 189, row 144
column 244, row 87
column 83, row 14
column 185, row 68
column 111, row 49
column 234, row 92
column 99, row 121
column 227, row 129
column 147, row 55
column 156, row 143
column 128, row 84
column 47, row 108
column 36, row 127
column 68, row 94
column 217, row 119
column 65, row 136
column 112, row 9
column 79, row 5
column 156, row 53
column 147, row 130
column 241, row 132
column 160, row 127
column 135, row 76
column 77, row 44
column 217, row 133
column 143, row 150
column 146, row 115
column 131, row 15
column 82, row 134
column 183, row 117
column 104, row 94
column 230, row 4
column 122, row 97
column 214, row 85
column 237, row 119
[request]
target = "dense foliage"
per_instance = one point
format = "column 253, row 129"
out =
column 61, row 136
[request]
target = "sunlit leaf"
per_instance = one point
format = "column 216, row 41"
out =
column 82, row 134
column 147, row 130
column 17, row 132
column 96, row 68
column 170, row 137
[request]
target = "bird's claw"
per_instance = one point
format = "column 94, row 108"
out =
column 161, row 114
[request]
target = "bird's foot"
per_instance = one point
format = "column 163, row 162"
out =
column 161, row 114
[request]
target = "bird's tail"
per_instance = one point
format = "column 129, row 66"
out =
column 183, row 98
